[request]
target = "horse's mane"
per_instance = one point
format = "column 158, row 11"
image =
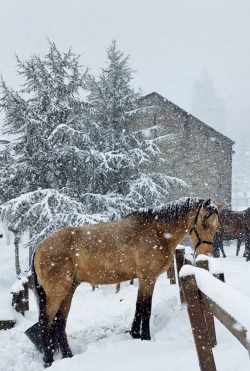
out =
column 171, row 211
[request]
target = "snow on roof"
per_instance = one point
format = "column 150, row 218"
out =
column 163, row 100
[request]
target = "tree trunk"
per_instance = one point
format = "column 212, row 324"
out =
column 17, row 261
column 30, row 255
column 6, row 233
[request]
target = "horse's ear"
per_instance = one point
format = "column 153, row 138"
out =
column 221, row 205
column 206, row 203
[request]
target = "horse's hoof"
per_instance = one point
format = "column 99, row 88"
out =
column 47, row 361
column 135, row 335
column 67, row 354
column 47, row 364
column 146, row 337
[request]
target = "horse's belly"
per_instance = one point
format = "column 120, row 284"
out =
column 105, row 278
column 100, row 274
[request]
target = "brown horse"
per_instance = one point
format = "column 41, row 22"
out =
column 140, row 245
column 234, row 225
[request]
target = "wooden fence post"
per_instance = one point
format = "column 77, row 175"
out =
column 207, row 313
column 179, row 258
column 202, row 264
column 198, row 323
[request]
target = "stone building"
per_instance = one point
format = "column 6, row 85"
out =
column 196, row 153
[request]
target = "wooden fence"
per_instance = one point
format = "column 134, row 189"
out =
column 202, row 309
column 20, row 300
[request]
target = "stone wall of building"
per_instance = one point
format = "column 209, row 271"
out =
column 198, row 154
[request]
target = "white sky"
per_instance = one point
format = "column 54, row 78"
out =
column 170, row 42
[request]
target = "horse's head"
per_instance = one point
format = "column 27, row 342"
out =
column 204, row 227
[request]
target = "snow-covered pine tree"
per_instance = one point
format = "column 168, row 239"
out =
column 41, row 212
column 45, row 117
column 121, row 158
column 42, row 171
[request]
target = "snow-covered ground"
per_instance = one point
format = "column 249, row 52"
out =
column 99, row 321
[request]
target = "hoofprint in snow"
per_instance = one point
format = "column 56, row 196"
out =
column 98, row 324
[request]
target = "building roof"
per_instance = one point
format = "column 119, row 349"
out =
column 157, row 97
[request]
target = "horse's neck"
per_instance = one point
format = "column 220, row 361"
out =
column 176, row 230
column 182, row 229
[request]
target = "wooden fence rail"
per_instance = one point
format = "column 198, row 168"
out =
column 202, row 309
column 227, row 320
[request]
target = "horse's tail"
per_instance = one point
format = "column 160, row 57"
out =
column 34, row 332
column 40, row 294
column 38, row 289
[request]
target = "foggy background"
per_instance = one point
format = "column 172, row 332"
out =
column 190, row 51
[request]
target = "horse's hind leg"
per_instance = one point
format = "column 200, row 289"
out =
column 57, row 285
column 59, row 324
column 223, row 251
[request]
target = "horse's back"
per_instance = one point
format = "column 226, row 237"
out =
column 89, row 251
column 232, row 223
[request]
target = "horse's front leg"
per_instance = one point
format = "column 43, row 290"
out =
column 136, row 325
column 239, row 240
column 46, row 338
column 221, row 246
column 222, row 250
column 143, row 309
column 216, row 246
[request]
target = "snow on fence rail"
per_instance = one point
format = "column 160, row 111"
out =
column 208, row 297
column 20, row 298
